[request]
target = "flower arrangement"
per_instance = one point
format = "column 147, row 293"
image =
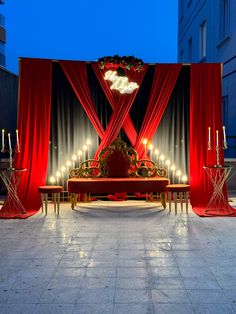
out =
column 126, row 62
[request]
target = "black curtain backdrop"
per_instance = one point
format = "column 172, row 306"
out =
column 70, row 126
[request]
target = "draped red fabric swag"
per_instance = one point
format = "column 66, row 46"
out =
column 76, row 74
column 165, row 77
column 113, row 97
column 122, row 105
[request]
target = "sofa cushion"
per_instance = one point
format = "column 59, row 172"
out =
column 118, row 165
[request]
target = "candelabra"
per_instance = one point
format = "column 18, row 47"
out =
column 10, row 151
column 217, row 149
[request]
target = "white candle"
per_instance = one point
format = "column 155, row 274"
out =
column 3, row 139
column 17, row 139
column 209, row 134
column 9, row 140
column 224, row 134
column 217, row 138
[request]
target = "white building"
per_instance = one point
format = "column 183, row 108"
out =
column 207, row 33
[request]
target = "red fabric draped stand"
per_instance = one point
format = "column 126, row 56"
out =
column 205, row 111
column 34, row 129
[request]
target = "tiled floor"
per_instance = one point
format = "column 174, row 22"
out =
column 112, row 257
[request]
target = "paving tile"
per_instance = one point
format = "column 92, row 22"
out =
column 132, row 296
column 207, row 296
column 132, row 272
column 59, row 295
column 215, row 308
column 132, row 283
column 160, row 308
column 53, row 309
column 144, row 308
column 96, row 296
column 18, row 308
column 176, row 296
column 106, row 308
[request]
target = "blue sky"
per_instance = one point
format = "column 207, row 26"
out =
column 90, row 29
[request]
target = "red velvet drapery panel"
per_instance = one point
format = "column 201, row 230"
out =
column 113, row 97
column 121, row 110
column 205, row 111
column 165, row 77
column 76, row 74
column 34, row 130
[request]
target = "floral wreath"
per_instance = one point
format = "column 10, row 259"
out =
column 126, row 62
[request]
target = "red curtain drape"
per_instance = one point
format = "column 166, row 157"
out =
column 121, row 110
column 76, row 74
column 205, row 111
column 165, row 77
column 34, row 130
column 113, row 97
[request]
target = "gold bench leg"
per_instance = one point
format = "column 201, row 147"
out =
column 187, row 196
column 169, row 199
column 163, row 199
column 73, row 199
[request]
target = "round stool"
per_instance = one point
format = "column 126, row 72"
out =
column 183, row 190
column 55, row 190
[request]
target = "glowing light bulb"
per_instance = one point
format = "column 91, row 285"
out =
column 173, row 168
column 162, row 157
column 52, row 179
column 178, row 173
column 74, row 157
column 184, row 178
column 167, row 162
column 68, row 163
column 63, row 169
column 58, row 174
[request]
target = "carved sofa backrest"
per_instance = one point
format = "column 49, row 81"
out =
column 117, row 161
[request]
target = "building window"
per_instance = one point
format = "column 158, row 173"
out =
column 2, row 54
column 203, row 40
column 2, row 48
column 224, row 18
column 190, row 49
column 225, row 110
column 2, row 21
column 181, row 9
column 188, row 2
column 181, row 56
